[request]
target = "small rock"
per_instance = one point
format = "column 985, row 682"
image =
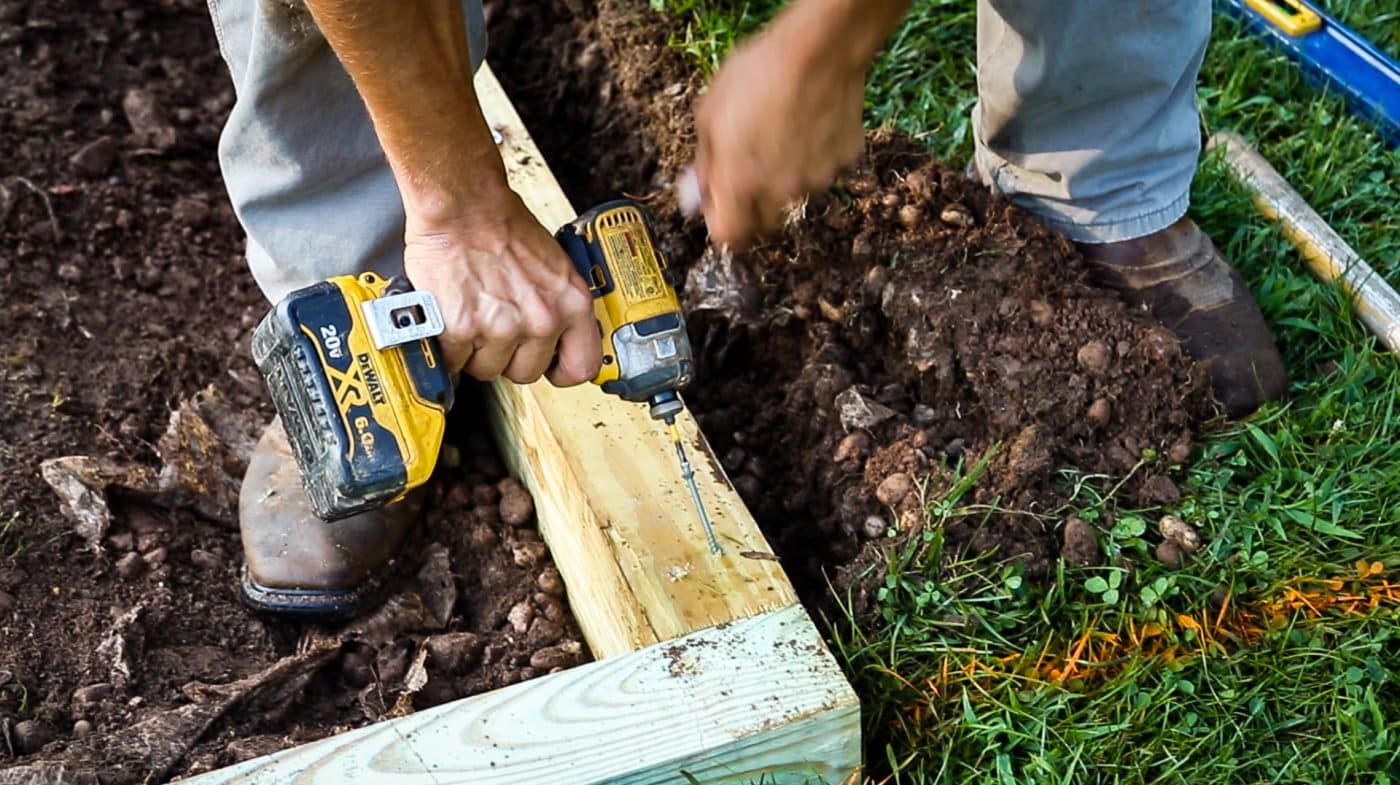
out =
column 7, row 602
column 517, row 506
column 82, row 728
column 10, row 577
column 894, row 488
column 876, row 279
column 563, row 655
column 1042, row 313
column 924, row 414
column 1169, row 554
column 95, row 158
column 452, row 651
column 156, row 557
column 147, row 121
column 863, row 246
column 130, row 565
column 1161, row 345
column 956, row 215
column 528, row 553
column 1159, row 489
column 31, row 735
column 1094, row 357
column 543, row 632
column 206, row 560
column 91, row 696
column 734, row 459
column 520, row 616
column 1100, row 412
column 1180, row 451
column 550, row 582
column 121, row 541
column 910, row 215
column 874, row 527
column 552, row 608
column 857, row 411
column 853, row 446
column 1080, row 547
column 1180, row 532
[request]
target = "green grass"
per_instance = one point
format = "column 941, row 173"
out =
column 1303, row 488
column 11, row 545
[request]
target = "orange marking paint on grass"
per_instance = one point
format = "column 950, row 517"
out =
column 1096, row 655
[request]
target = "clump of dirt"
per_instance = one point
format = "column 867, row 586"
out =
column 126, row 293
column 907, row 326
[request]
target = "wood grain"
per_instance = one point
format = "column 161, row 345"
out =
column 757, row 700
column 709, row 671
column 613, row 507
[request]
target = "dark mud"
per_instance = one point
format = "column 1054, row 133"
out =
column 123, row 292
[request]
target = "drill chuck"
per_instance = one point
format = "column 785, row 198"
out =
column 665, row 405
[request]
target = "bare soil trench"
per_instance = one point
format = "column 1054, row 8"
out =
column 905, row 324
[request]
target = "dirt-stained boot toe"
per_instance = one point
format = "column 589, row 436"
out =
column 294, row 562
column 1180, row 276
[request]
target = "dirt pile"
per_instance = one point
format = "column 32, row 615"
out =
column 904, row 327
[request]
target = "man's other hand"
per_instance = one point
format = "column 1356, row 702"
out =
column 780, row 119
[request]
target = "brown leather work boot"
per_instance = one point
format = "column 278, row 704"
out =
column 1178, row 274
column 298, row 564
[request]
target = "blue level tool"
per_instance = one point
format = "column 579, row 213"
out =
column 1330, row 53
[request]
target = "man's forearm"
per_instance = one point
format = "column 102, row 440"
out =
column 846, row 33
column 410, row 61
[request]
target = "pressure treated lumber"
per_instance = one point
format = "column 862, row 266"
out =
column 637, row 567
column 759, row 700
column 1328, row 256
column 708, row 669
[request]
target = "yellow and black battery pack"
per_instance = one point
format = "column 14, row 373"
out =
column 359, row 381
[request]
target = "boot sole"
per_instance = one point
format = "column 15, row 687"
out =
column 309, row 603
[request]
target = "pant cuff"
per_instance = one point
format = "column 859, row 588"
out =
column 1114, row 230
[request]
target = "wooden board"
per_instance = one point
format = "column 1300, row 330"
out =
column 759, row 700
column 708, row 670
column 612, row 505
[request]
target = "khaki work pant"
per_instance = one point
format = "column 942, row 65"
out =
column 1087, row 118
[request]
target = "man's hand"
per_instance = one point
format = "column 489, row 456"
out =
column 509, row 296
column 783, row 115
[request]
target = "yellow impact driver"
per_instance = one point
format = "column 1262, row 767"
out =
column 353, row 365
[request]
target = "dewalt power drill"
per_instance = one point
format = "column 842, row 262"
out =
column 356, row 373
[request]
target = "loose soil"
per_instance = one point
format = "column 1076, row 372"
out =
column 904, row 327
column 125, row 293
